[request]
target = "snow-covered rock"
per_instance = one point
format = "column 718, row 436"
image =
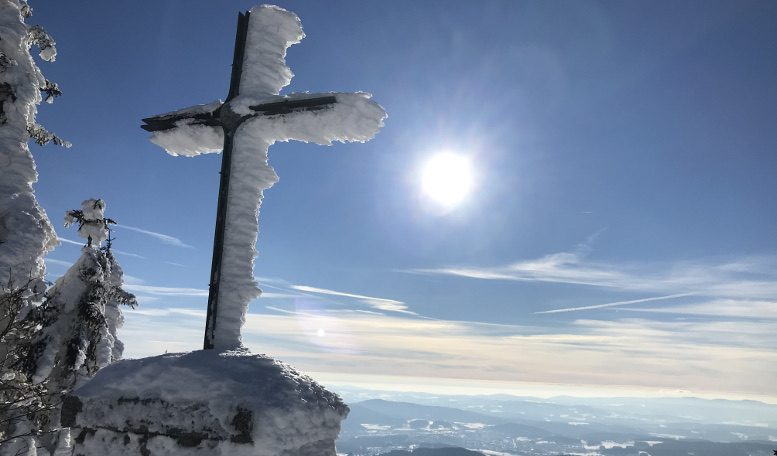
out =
column 203, row 403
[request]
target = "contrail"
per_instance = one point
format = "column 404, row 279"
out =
column 615, row 304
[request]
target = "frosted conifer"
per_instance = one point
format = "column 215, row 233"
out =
column 77, row 320
column 26, row 234
column 25, row 231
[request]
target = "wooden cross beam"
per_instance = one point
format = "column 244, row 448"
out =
column 229, row 123
column 271, row 106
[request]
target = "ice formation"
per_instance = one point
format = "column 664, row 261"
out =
column 204, row 403
column 25, row 231
column 352, row 117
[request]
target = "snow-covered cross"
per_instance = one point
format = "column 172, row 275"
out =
column 252, row 118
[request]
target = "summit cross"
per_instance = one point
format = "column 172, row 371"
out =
column 252, row 118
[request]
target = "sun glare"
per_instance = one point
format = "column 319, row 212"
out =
column 447, row 178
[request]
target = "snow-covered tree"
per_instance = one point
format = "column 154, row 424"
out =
column 25, row 231
column 92, row 224
column 25, row 407
column 78, row 319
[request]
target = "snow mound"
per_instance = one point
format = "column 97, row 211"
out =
column 205, row 403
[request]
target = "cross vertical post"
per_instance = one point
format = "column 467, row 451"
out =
column 226, row 166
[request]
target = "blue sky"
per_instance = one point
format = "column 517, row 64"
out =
column 624, row 156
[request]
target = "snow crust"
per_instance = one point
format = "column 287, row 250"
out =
column 200, row 393
column 25, row 231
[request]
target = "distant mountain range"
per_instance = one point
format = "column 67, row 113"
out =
column 507, row 425
column 447, row 451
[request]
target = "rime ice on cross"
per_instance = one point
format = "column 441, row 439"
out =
column 252, row 118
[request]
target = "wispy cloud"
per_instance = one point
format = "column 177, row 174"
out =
column 165, row 291
column 68, row 241
column 390, row 305
column 129, row 254
column 616, row 304
column 168, row 312
column 562, row 267
column 136, row 285
column 132, row 280
column 700, row 356
column 66, row 264
column 165, row 238
column 740, row 278
column 722, row 308
column 81, row 244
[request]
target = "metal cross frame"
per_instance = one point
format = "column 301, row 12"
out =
column 230, row 121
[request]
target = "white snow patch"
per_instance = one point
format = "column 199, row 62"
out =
column 668, row 436
column 471, row 425
column 375, row 427
column 607, row 445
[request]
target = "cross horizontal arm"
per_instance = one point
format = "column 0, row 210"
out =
column 292, row 105
column 168, row 121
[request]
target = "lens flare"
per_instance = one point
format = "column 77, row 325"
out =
column 447, row 179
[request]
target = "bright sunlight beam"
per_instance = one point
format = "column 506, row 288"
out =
column 447, row 178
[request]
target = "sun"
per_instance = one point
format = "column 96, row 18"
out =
column 446, row 178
